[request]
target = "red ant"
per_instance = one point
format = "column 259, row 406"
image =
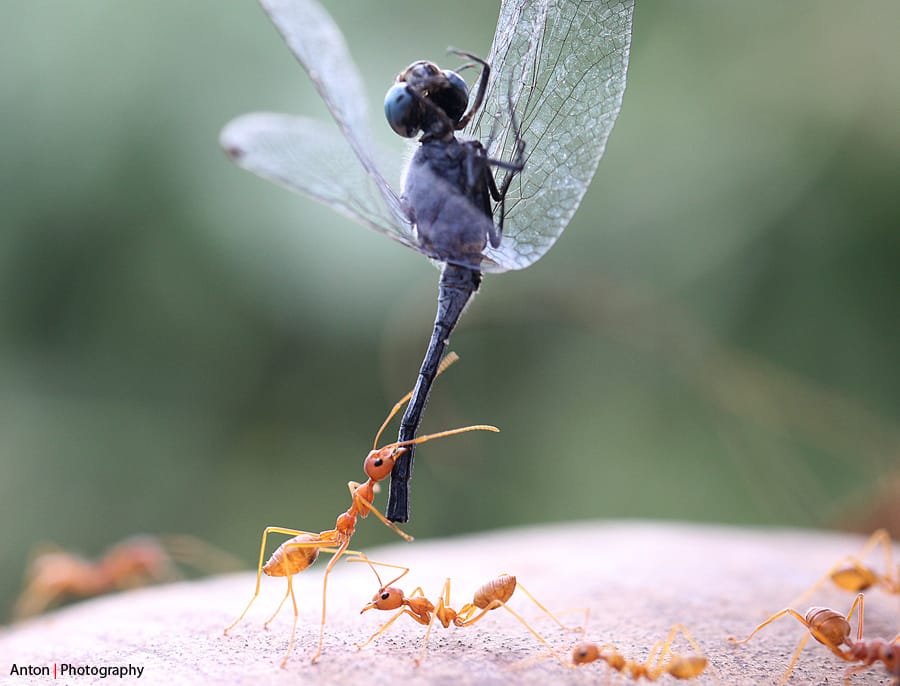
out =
column 659, row 662
column 55, row 574
column 301, row 551
column 832, row 629
column 490, row 596
column 851, row 574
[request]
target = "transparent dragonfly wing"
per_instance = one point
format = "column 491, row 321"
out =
column 313, row 158
column 309, row 156
column 561, row 64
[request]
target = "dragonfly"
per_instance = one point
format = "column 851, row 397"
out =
column 549, row 93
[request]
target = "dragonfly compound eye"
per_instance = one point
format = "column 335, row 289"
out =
column 454, row 97
column 402, row 111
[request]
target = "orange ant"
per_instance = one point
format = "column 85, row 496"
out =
column 832, row 629
column 490, row 596
column 851, row 574
column 659, row 662
column 54, row 574
column 301, row 551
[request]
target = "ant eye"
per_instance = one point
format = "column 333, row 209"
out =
column 385, row 595
column 379, row 462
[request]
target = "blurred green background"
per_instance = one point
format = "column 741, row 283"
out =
column 186, row 348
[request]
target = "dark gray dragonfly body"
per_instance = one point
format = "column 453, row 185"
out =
column 558, row 66
column 448, row 191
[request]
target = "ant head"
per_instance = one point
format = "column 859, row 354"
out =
column 386, row 599
column 584, row 653
column 890, row 656
column 379, row 463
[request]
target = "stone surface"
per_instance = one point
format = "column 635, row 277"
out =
column 637, row 578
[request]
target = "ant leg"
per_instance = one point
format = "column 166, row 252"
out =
column 683, row 667
column 334, row 558
column 469, row 610
column 547, row 612
column 891, row 576
column 322, row 546
column 361, row 557
column 385, row 626
column 262, row 551
column 290, row 591
column 364, row 507
column 858, row 604
column 389, row 524
column 802, row 644
column 680, row 628
column 659, row 651
column 850, row 671
column 794, row 658
column 531, row 629
column 443, row 602
column 528, row 661
column 778, row 615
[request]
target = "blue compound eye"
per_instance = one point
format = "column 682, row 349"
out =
column 402, row 111
column 455, row 98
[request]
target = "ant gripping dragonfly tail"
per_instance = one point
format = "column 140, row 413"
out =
column 301, row 551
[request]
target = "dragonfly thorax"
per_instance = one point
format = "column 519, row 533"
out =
column 446, row 190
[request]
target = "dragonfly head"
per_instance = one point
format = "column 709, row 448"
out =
column 423, row 93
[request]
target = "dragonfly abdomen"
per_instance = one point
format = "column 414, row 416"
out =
column 457, row 286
